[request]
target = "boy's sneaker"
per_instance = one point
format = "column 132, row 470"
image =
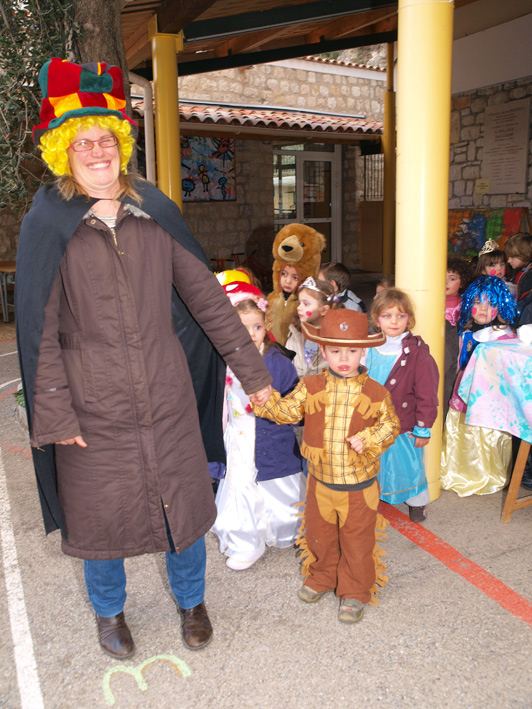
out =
column 351, row 610
column 417, row 514
column 308, row 594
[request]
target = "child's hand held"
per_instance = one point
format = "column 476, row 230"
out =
column 356, row 444
column 420, row 441
column 261, row 397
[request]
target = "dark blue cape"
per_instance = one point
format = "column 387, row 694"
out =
column 45, row 232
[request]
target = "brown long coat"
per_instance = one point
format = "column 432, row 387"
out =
column 111, row 368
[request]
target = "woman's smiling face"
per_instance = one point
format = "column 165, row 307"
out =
column 96, row 170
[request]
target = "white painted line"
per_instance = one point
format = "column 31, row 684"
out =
column 5, row 384
column 27, row 676
column 9, row 353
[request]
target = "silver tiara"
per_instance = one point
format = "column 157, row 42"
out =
column 489, row 246
column 309, row 283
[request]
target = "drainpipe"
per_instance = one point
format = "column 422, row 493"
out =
column 388, row 147
column 164, row 48
column 425, row 42
column 149, row 135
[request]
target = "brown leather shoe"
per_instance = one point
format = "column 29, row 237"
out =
column 114, row 636
column 196, row 627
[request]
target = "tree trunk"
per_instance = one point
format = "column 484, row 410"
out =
column 101, row 36
column 101, row 40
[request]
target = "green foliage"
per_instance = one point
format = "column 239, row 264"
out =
column 19, row 396
column 31, row 32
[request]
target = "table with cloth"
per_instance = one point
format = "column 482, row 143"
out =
column 497, row 387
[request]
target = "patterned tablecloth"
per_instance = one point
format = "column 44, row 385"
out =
column 497, row 387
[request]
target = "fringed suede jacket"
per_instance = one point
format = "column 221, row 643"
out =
column 334, row 409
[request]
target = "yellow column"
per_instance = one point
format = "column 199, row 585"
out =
column 425, row 36
column 388, row 148
column 164, row 49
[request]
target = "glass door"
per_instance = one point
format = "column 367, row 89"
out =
column 307, row 189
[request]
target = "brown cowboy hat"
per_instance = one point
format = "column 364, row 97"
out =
column 343, row 328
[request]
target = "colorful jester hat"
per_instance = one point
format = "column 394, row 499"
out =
column 73, row 90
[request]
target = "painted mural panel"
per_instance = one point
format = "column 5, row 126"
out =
column 207, row 169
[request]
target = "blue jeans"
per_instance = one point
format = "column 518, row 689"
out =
column 106, row 580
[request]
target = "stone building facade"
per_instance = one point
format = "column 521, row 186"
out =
column 467, row 144
column 310, row 84
column 247, row 224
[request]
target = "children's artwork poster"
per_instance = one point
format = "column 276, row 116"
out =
column 469, row 229
column 207, row 169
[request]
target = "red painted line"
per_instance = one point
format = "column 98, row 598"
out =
column 11, row 340
column 453, row 559
column 7, row 393
column 24, row 451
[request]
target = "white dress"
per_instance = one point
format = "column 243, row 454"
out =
column 252, row 514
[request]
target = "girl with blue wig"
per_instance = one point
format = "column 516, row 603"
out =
column 477, row 460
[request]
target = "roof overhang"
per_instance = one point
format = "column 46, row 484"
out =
column 220, row 34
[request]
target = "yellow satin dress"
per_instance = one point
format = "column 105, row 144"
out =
column 474, row 460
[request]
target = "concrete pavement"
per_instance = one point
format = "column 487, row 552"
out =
column 453, row 626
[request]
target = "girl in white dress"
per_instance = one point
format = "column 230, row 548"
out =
column 257, row 500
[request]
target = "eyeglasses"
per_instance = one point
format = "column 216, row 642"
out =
column 82, row 146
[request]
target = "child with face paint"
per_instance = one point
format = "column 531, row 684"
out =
column 477, row 460
column 491, row 260
column 315, row 299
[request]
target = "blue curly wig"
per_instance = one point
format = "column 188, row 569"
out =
column 492, row 290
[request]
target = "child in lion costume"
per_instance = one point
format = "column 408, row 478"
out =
column 297, row 255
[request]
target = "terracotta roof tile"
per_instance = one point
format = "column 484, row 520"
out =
column 277, row 119
column 336, row 62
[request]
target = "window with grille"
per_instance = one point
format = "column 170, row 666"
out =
column 373, row 177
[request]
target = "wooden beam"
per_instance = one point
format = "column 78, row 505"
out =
column 348, row 26
column 174, row 15
column 138, row 44
column 249, row 42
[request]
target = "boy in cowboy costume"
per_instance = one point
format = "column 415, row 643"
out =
column 349, row 422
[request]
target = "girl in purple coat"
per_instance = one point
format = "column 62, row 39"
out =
column 257, row 500
column 406, row 368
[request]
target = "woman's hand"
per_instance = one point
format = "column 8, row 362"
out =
column 261, row 397
column 78, row 440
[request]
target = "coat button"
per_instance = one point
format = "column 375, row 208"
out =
column 93, row 221
column 392, row 381
column 404, row 404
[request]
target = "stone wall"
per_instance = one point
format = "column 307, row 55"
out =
column 245, row 224
column 467, row 143
column 352, row 181
column 278, row 85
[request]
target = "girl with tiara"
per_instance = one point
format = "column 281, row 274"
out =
column 491, row 260
column 477, row 460
column 315, row 299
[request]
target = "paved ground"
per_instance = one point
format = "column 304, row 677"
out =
column 453, row 627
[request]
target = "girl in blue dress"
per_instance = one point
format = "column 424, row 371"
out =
column 406, row 368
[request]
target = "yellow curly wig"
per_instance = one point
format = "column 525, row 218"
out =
column 55, row 142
